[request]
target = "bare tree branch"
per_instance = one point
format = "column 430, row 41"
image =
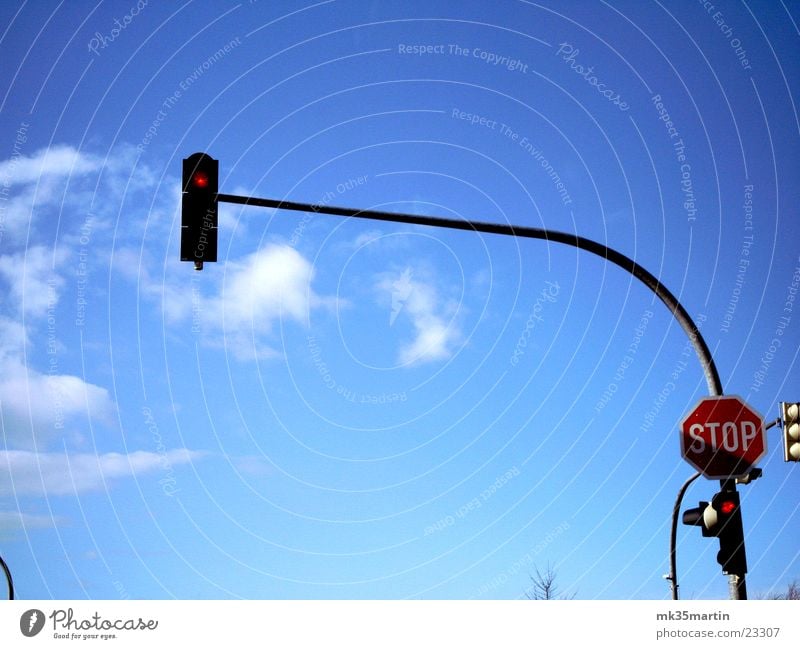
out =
column 544, row 586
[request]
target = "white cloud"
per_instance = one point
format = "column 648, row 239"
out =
column 59, row 160
column 13, row 339
column 266, row 287
column 273, row 283
column 253, row 465
column 42, row 391
column 31, row 279
column 27, row 473
column 44, row 401
column 15, row 521
column 24, row 203
column 33, row 404
column 432, row 319
column 433, row 342
column 237, row 312
column 79, row 195
column 65, row 185
column 366, row 238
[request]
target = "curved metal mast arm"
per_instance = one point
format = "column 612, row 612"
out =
column 599, row 249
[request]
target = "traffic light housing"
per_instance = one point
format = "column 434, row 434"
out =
column 199, row 209
column 696, row 516
column 730, row 531
column 790, row 414
column 722, row 518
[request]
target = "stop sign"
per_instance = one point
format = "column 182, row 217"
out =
column 723, row 437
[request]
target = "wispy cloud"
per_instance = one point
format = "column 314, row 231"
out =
column 238, row 311
column 31, row 281
column 435, row 332
column 36, row 404
column 27, row 473
column 62, row 185
column 16, row 521
column 367, row 238
column 59, row 160
column 254, row 465
column 46, row 401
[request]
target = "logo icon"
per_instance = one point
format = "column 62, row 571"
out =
column 31, row 622
column 402, row 289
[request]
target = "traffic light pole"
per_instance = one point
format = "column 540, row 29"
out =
column 10, row 581
column 643, row 275
column 673, row 537
column 737, row 582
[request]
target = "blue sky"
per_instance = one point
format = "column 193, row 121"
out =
column 347, row 409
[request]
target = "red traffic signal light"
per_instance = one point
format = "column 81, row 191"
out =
column 199, row 209
column 200, row 179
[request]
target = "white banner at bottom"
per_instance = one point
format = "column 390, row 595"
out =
column 398, row 624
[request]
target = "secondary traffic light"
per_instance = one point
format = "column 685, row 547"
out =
column 722, row 517
column 199, row 209
column 790, row 413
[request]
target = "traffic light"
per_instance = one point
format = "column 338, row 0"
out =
column 696, row 516
column 790, row 413
column 722, row 517
column 730, row 531
column 199, row 209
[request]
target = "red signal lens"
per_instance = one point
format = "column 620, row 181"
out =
column 727, row 506
column 200, row 179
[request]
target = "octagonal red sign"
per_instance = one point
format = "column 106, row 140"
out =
column 723, row 437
